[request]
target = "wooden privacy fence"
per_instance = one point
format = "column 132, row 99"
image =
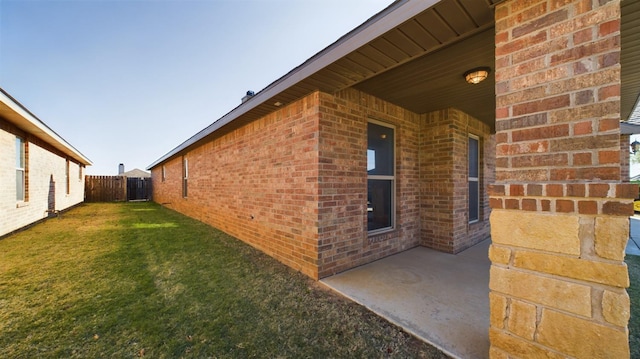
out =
column 116, row 188
column 138, row 188
column 105, row 188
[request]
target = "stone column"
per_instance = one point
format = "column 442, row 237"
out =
column 559, row 219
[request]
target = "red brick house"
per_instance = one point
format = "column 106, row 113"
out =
column 378, row 144
column 340, row 168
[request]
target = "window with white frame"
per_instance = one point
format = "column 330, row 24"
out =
column 21, row 168
column 473, row 179
column 185, row 176
column 164, row 173
column 380, row 177
column 67, row 177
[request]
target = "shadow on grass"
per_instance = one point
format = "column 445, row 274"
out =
column 126, row 280
column 633, row 263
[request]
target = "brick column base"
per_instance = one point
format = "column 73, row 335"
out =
column 558, row 275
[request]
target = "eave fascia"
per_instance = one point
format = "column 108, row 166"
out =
column 384, row 21
column 15, row 113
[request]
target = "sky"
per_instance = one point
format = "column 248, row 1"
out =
column 126, row 81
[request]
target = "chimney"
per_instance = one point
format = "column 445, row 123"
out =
column 120, row 168
column 249, row 95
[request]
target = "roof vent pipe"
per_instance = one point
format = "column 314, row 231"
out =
column 121, row 168
column 249, row 95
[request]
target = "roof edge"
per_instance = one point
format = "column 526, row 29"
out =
column 393, row 15
column 50, row 135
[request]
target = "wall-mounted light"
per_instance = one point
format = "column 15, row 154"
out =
column 635, row 146
column 477, row 75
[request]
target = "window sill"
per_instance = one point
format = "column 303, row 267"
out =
column 21, row 204
column 381, row 235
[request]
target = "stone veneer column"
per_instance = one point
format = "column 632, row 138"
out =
column 559, row 209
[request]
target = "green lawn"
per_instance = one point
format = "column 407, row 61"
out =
column 633, row 262
column 133, row 280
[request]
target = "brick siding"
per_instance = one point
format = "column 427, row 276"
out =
column 344, row 241
column 258, row 183
column 294, row 183
column 444, row 170
column 625, row 157
column 44, row 163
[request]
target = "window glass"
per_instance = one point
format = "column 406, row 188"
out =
column 20, row 170
column 379, row 204
column 380, row 150
column 474, row 173
column 20, row 185
column 473, row 157
column 473, row 201
column 19, row 152
column 381, row 177
column 185, row 171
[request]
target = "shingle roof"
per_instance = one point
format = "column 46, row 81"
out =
column 136, row 172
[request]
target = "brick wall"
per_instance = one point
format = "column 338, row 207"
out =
column 294, row 183
column 444, row 187
column 44, row 164
column 343, row 238
column 559, row 220
column 625, row 157
column 258, row 183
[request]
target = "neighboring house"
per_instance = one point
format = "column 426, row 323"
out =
column 377, row 144
column 40, row 172
column 135, row 173
column 138, row 184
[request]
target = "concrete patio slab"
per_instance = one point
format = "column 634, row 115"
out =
column 441, row 298
column 633, row 245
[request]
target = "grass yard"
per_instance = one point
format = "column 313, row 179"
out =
column 134, row 280
column 633, row 263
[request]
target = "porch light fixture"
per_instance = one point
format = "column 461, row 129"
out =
column 635, row 146
column 477, row 75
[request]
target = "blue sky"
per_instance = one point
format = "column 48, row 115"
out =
column 125, row 81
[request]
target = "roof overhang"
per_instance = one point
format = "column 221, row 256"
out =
column 413, row 54
column 630, row 61
column 629, row 128
column 13, row 112
column 402, row 32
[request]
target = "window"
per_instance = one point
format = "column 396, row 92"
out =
column 164, row 173
column 67, row 177
column 474, row 174
column 380, row 177
column 21, row 168
column 185, row 176
column 80, row 172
